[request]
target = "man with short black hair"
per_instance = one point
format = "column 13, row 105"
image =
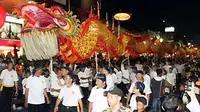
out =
column 157, row 87
column 72, row 99
column 114, row 96
column 36, row 93
column 8, row 79
column 97, row 95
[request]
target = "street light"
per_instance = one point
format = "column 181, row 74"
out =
column 170, row 29
column 121, row 17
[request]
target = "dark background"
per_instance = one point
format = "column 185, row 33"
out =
column 184, row 15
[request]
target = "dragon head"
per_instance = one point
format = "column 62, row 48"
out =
column 42, row 26
column 41, row 18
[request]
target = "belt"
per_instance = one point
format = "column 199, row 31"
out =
column 8, row 86
column 84, row 82
column 69, row 107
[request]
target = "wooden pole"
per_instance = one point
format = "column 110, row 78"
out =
column 69, row 5
column 96, row 61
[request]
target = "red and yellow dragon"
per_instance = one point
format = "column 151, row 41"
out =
column 49, row 31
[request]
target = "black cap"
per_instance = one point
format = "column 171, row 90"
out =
column 115, row 91
column 101, row 77
column 141, row 99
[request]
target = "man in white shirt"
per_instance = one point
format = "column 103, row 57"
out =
column 70, row 96
column 118, row 75
column 8, row 80
column 167, row 66
column 139, row 66
column 171, row 77
column 36, row 93
column 109, row 78
column 133, row 74
column 125, row 77
column 153, row 73
column 57, row 82
column 98, row 102
column 147, row 89
column 84, row 83
column 24, row 81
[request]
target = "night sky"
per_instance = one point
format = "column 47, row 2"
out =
column 149, row 14
column 184, row 15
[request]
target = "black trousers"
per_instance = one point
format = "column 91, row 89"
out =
column 6, row 99
column 36, row 108
column 63, row 108
column 85, row 92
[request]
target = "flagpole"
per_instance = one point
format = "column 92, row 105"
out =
column 68, row 5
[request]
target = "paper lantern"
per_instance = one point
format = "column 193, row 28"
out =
column 2, row 16
column 9, row 5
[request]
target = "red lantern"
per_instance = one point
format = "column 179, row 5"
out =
column 2, row 16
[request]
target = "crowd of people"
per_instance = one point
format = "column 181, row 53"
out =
column 117, row 86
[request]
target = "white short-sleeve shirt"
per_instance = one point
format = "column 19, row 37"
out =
column 9, row 77
column 36, row 86
column 54, row 83
column 109, row 81
column 98, row 100
column 133, row 102
column 147, row 89
column 83, row 82
column 71, row 95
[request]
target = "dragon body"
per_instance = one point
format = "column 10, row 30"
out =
column 49, row 31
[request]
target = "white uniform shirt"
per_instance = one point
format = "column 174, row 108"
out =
column 24, row 83
column 119, row 77
column 98, row 100
column 166, row 67
column 125, row 75
column 9, row 78
column 147, row 89
column 109, row 81
column 139, row 66
column 153, row 74
column 54, row 83
column 147, row 79
column 83, row 82
column 70, row 95
column 133, row 102
column 36, row 86
column 171, row 78
column 133, row 77
column 48, row 83
column 114, row 77
column 180, row 68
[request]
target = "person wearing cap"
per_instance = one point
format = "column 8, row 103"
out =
column 147, row 89
column 35, row 92
column 8, row 80
column 70, row 96
column 141, row 104
column 114, row 96
column 109, row 78
column 138, row 91
column 98, row 102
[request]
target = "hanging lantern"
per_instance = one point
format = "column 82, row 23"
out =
column 2, row 16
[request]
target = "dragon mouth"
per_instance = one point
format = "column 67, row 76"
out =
column 40, row 45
